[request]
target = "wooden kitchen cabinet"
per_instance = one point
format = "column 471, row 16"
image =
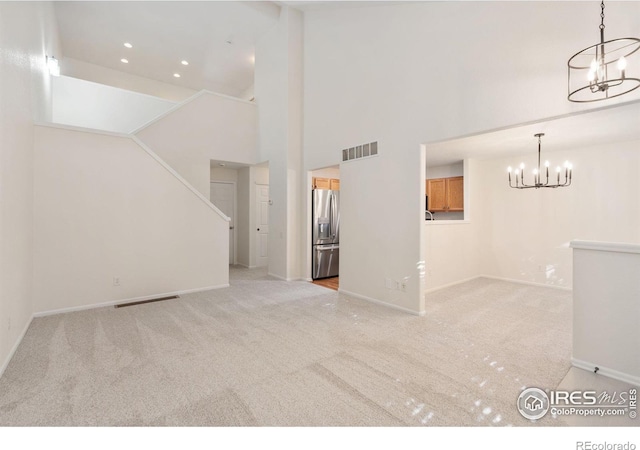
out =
column 321, row 183
column 445, row 194
column 326, row 183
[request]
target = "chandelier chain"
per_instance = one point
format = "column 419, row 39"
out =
column 602, row 15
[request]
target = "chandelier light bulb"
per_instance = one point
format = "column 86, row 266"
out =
column 594, row 65
column 535, row 171
column 566, row 164
column 546, row 163
column 509, row 169
column 558, row 169
column 521, row 166
column 622, row 63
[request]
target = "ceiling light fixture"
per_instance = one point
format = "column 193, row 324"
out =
column 602, row 71
column 537, row 174
column 177, row 75
column 184, row 62
column 53, row 66
column 126, row 61
column 126, row 44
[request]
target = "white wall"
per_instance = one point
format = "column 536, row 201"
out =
column 106, row 208
column 525, row 233
column 447, row 171
column 209, row 126
column 28, row 32
column 224, row 174
column 328, row 172
column 278, row 89
column 378, row 73
column 606, row 311
column 92, row 105
column 103, row 75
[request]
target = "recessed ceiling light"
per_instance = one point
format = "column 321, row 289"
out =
column 126, row 61
column 126, row 44
column 177, row 75
column 185, row 63
column 221, row 164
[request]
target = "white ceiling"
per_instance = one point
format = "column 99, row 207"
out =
column 164, row 33
column 608, row 124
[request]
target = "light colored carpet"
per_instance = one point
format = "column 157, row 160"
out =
column 269, row 352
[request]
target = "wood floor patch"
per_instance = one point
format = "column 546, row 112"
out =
column 330, row 283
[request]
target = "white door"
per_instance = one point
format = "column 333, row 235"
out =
column 262, row 224
column 223, row 195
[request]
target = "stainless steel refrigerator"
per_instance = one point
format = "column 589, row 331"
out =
column 325, row 233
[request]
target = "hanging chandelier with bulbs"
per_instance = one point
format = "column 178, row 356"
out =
column 538, row 174
column 604, row 70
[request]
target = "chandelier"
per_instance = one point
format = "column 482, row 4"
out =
column 537, row 174
column 601, row 71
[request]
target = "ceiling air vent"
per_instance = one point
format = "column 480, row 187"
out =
column 360, row 151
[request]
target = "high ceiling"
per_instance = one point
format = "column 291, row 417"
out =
column 605, row 125
column 216, row 38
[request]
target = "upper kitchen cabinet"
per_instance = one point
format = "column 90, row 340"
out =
column 321, row 183
column 445, row 194
column 326, row 183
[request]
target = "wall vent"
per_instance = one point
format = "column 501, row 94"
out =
column 360, row 151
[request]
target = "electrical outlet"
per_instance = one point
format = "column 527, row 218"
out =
column 116, row 281
column 389, row 283
column 403, row 284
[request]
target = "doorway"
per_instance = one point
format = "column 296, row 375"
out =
column 223, row 196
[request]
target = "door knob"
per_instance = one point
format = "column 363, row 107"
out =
column 258, row 229
column 231, row 228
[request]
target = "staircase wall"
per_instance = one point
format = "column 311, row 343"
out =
column 106, row 207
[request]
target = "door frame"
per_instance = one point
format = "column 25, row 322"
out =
column 235, row 215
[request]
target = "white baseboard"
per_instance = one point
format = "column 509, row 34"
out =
column 380, row 302
column 7, row 360
column 455, row 283
column 126, row 300
column 528, row 283
column 245, row 266
column 283, row 278
column 606, row 372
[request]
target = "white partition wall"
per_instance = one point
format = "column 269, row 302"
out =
column 606, row 309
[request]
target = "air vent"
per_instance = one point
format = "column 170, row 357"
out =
column 142, row 302
column 360, row 151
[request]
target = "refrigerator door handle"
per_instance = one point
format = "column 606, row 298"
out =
column 331, row 216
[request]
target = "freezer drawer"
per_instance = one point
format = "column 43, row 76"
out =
column 326, row 259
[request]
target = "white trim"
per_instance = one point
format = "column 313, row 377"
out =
column 528, row 283
column 126, row 300
column 170, row 169
column 283, row 278
column 618, row 247
column 508, row 280
column 444, row 286
column 6, row 362
column 185, row 102
column 380, row 302
column 447, row 222
column 245, row 266
column 144, row 147
column 606, row 372
column 62, row 126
